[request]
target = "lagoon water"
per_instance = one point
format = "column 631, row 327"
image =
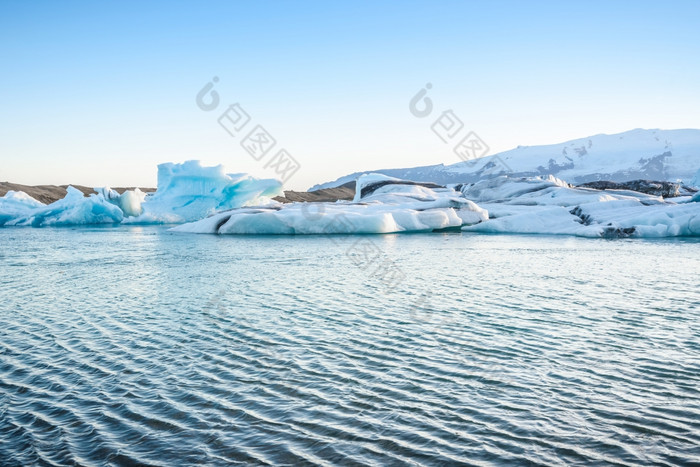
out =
column 136, row 345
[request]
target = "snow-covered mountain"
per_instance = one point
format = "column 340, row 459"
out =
column 669, row 155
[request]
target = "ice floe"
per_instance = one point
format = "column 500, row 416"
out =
column 533, row 205
column 381, row 205
column 547, row 205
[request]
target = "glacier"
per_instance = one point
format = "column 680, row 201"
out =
column 663, row 155
column 381, row 205
column 186, row 192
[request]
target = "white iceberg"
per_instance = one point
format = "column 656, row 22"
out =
column 381, row 205
column 547, row 205
column 186, row 192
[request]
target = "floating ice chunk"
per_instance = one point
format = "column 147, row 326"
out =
column 548, row 206
column 129, row 202
column 382, row 205
column 544, row 191
column 538, row 220
column 189, row 191
column 332, row 218
column 663, row 220
column 16, row 203
column 74, row 209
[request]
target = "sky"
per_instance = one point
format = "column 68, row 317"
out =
column 100, row 93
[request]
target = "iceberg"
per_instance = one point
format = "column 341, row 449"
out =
column 548, row 205
column 74, row 209
column 186, row 192
column 530, row 205
column 381, row 205
column 14, row 204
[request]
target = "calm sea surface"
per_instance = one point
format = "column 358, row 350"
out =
column 133, row 345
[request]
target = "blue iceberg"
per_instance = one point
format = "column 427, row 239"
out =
column 186, row 192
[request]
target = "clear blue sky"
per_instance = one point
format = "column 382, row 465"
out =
column 100, row 92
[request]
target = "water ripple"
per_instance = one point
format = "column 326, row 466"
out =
column 158, row 349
